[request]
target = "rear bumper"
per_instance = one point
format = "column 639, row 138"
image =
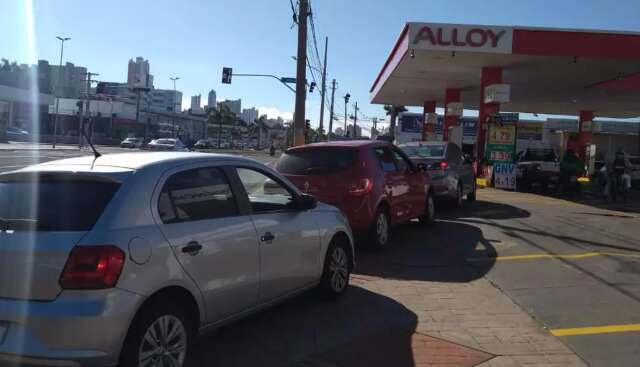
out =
column 443, row 187
column 79, row 328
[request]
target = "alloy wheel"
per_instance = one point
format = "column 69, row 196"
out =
column 382, row 228
column 164, row 343
column 339, row 268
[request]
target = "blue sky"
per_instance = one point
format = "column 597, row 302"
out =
column 195, row 39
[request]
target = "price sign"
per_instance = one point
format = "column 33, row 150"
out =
column 502, row 143
column 505, row 176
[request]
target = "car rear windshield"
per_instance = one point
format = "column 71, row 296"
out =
column 316, row 161
column 35, row 202
column 424, row 151
column 539, row 155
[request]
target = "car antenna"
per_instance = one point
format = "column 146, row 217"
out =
column 95, row 151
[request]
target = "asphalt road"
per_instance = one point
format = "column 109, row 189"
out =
column 575, row 267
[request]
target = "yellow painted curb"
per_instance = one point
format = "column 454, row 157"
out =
column 596, row 330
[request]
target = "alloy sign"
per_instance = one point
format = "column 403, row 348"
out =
column 454, row 37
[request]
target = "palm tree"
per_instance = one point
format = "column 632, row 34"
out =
column 261, row 124
column 392, row 112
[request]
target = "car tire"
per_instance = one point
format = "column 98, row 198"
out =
column 459, row 196
column 146, row 323
column 336, row 270
column 429, row 211
column 471, row 196
column 380, row 231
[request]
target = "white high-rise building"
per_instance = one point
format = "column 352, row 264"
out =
column 195, row 102
column 249, row 115
column 211, row 101
column 138, row 73
column 234, row 106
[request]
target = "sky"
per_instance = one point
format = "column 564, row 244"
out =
column 194, row 39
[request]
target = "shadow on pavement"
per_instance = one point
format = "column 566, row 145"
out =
column 437, row 253
column 310, row 332
column 483, row 209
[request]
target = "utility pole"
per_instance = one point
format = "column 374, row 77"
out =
column 323, row 87
column 175, row 103
column 355, row 121
column 85, row 111
column 301, row 74
column 58, row 88
column 333, row 94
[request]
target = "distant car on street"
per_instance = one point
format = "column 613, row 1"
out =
column 122, row 260
column 537, row 168
column 167, row 144
column 14, row 133
column 374, row 183
column 452, row 174
column 205, row 144
column 131, row 143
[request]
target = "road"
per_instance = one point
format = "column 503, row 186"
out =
column 491, row 276
column 574, row 267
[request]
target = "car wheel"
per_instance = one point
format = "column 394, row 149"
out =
column 160, row 335
column 429, row 211
column 459, row 196
column 471, row 196
column 380, row 229
column 337, row 268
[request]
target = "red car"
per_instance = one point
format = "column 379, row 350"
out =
column 373, row 182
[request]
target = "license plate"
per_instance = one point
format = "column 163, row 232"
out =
column 3, row 330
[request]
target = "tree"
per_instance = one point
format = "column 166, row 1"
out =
column 392, row 112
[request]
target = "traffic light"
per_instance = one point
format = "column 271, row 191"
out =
column 346, row 98
column 226, row 75
column 307, row 125
column 312, row 86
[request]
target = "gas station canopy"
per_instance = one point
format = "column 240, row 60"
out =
column 553, row 71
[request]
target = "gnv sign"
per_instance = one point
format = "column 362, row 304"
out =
column 455, row 37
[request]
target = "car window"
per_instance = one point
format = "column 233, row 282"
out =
column 265, row 194
column 196, row 194
column 453, row 153
column 316, row 161
column 386, row 159
column 22, row 206
column 401, row 162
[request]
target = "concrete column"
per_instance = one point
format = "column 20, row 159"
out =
column 450, row 95
column 429, row 107
column 490, row 75
column 584, row 137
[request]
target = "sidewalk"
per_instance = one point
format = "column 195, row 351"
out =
column 34, row 146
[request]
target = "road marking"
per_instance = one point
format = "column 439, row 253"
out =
column 596, row 330
column 556, row 256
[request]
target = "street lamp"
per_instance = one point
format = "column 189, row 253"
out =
column 173, row 123
column 55, row 120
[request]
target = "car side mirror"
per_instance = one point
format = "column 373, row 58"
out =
column 422, row 167
column 306, row 202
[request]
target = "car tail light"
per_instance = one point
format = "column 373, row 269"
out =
column 92, row 267
column 440, row 165
column 361, row 186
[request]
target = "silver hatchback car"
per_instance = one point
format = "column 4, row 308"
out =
column 123, row 259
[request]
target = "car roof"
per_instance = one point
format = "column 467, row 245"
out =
column 341, row 144
column 131, row 161
column 423, row 143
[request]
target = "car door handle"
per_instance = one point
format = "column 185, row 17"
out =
column 192, row 248
column 267, row 238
